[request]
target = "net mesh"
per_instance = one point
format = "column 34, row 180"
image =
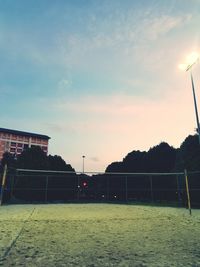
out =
column 27, row 186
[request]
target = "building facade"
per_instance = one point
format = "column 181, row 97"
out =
column 15, row 142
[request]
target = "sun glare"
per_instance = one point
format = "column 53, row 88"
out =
column 190, row 60
column 182, row 66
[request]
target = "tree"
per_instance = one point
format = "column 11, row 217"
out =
column 56, row 163
column 8, row 159
column 115, row 167
column 136, row 161
column 188, row 156
column 33, row 158
column 161, row 158
column 36, row 159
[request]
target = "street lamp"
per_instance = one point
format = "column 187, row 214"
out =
column 83, row 162
column 191, row 61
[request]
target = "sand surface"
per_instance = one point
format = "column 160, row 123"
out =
column 98, row 235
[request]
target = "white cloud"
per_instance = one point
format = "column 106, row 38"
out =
column 125, row 32
column 155, row 27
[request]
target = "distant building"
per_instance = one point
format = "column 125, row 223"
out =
column 15, row 142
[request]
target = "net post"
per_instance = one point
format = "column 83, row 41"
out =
column 46, row 188
column 3, row 184
column 188, row 192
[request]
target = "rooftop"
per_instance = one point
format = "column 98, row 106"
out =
column 10, row 131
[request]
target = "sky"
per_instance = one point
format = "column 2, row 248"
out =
column 100, row 77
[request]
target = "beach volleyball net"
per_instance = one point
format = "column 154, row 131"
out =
column 44, row 186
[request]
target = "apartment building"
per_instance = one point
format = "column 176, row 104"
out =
column 14, row 141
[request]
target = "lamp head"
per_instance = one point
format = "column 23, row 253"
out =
column 190, row 61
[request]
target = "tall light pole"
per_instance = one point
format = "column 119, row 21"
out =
column 192, row 60
column 83, row 163
column 195, row 106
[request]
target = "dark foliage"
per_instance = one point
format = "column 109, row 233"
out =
column 33, row 158
column 8, row 159
column 163, row 158
column 115, row 167
column 188, row 156
column 32, row 185
column 56, row 163
column 160, row 158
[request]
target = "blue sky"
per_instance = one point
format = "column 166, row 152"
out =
column 99, row 77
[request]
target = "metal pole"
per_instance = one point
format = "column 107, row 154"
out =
column 195, row 105
column 188, row 193
column 83, row 163
column 3, row 184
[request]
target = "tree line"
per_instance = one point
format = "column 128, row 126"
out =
column 35, row 158
column 160, row 158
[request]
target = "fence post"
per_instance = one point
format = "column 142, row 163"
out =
column 46, row 188
column 3, row 184
column 12, row 186
column 78, row 187
column 107, row 187
column 178, row 190
column 126, row 187
column 187, row 190
column 151, row 187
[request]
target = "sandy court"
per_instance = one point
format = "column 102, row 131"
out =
column 98, row 235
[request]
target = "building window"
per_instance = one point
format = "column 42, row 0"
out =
column 19, row 145
column 25, row 146
column 20, row 138
column 38, row 141
column 14, row 137
column 13, row 144
column 12, row 150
